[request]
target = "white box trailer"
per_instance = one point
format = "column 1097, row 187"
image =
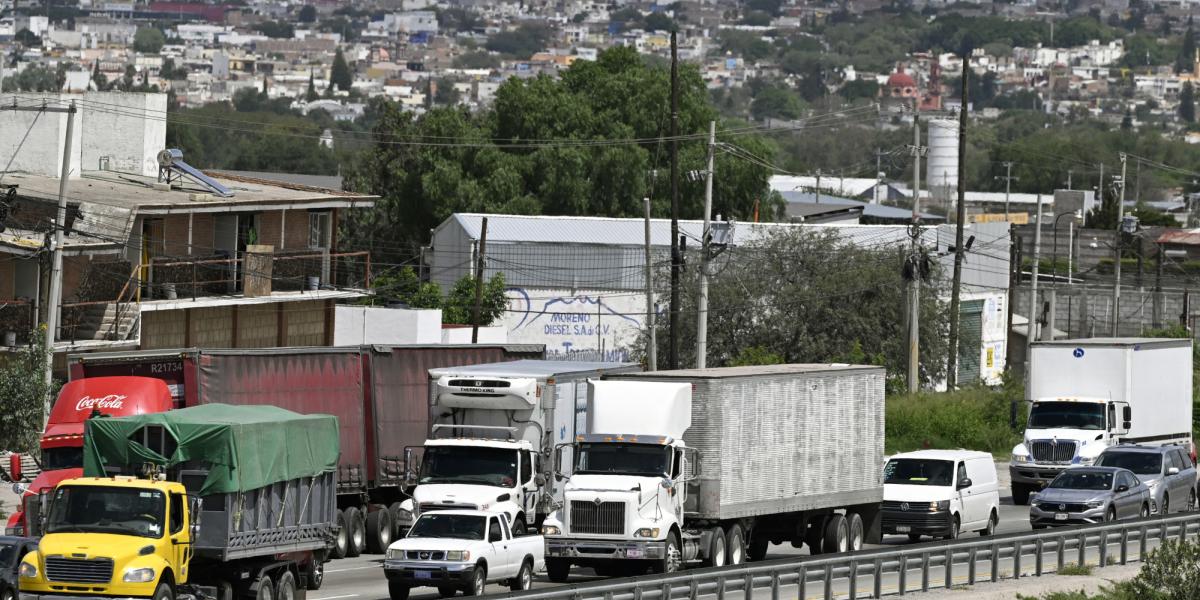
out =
column 1089, row 394
column 766, row 455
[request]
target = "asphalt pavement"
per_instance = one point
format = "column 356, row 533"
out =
column 362, row 578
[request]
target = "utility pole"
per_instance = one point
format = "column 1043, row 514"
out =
column 914, row 285
column 1008, row 179
column 1069, row 172
column 1116, row 314
column 479, row 282
column 960, row 216
column 1031, row 323
column 818, row 188
column 60, row 225
column 652, row 349
column 676, row 267
column 705, row 240
column 879, row 173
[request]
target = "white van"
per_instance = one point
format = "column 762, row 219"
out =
column 940, row 493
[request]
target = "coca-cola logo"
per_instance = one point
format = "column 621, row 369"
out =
column 111, row 401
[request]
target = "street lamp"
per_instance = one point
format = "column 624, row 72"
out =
column 1070, row 241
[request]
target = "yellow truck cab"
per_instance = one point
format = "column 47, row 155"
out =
column 204, row 503
column 120, row 536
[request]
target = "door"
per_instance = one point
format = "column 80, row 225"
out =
column 970, row 341
column 1128, row 501
column 225, row 245
column 178, row 533
column 976, row 497
column 1180, row 483
column 966, row 501
column 320, row 237
column 529, row 487
column 500, row 565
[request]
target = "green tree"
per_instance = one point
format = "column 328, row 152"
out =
column 522, row 42
column 23, row 391
column 745, row 44
column 1187, row 103
column 1127, row 120
column 340, row 75
column 776, row 102
column 476, row 60
column 1187, row 51
column 311, row 94
column 308, row 14
column 148, row 40
column 657, row 21
column 446, row 94
column 459, row 305
column 859, row 89
column 99, row 79
column 405, row 287
column 276, row 29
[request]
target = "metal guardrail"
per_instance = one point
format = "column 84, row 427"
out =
column 935, row 565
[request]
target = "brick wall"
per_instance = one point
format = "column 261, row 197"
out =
column 212, row 327
column 257, row 326
column 296, row 224
column 305, row 323
column 163, row 329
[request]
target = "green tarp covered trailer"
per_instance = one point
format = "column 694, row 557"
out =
column 266, row 475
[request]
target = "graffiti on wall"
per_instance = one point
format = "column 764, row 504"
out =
column 578, row 325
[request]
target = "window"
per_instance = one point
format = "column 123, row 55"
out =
column 526, row 466
column 320, row 229
column 1126, row 479
column 507, row 531
column 494, row 534
column 176, row 515
column 962, row 473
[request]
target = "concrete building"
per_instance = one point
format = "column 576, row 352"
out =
column 576, row 284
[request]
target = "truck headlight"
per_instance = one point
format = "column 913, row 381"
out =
column 458, row 555
column 144, row 575
column 551, row 530
column 1020, row 458
column 27, row 571
column 1086, row 461
column 939, row 506
column 646, row 532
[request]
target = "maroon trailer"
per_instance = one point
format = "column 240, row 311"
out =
column 380, row 395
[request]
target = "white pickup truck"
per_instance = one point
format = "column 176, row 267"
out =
column 462, row 550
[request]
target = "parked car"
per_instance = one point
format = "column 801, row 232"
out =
column 462, row 550
column 1167, row 470
column 12, row 549
column 940, row 493
column 1090, row 495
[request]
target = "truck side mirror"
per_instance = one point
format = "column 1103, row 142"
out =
column 15, row 472
column 539, row 480
column 1127, row 417
column 410, row 474
column 195, row 508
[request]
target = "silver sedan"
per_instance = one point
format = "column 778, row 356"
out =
column 1090, row 495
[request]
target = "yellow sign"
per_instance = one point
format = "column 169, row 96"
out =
column 991, row 352
column 1014, row 218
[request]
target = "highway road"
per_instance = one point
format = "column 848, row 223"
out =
column 362, row 578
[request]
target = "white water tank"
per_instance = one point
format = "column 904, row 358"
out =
column 941, row 162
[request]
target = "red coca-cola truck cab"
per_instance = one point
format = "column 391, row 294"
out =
column 62, row 442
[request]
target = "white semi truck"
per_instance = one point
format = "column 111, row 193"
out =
column 493, row 427
column 710, row 466
column 1090, row 394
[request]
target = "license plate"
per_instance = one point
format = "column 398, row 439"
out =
column 634, row 553
column 903, row 529
column 422, row 575
column 1060, row 516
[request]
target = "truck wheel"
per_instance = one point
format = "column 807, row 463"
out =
column 757, row 550
column 341, row 544
column 314, row 575
column 285, row 589
column 357, row 538
column 813, row 539
column 379, row 531
column 266, row 589
column 672, row 559
column 398, row 591
column 716, row 549
column 735, row 545
column 162, row 592
column 1020, row 494
column 524, row 578
column 837, row 535
column 856, row 531
column 478, row 582
column 557, row 570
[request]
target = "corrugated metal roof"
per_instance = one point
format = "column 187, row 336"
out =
column 533, row 368
column 1180, row 237
column 876, row 211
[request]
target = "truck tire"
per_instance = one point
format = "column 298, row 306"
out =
column 856, row 532
column 164, row 592
column 314, row 574
column 837, row 535
column 716, row 549
column 1020, row 494
column 478, row 582
column 266, row 589
column 341, row 544
column 399, row 529
column 379, row 531
column 524, row 579
column 757, row 549
column 285, row 588
column 813, row 539
column 672, row 559
column 735, row 545
column 356, row 541
column 397, row 590
column 557, row 570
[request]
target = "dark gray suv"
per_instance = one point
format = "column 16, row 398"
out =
column 1167, row 470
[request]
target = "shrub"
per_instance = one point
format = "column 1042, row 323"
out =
column 974, row 417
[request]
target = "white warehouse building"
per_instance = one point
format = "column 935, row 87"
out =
column 576, row 284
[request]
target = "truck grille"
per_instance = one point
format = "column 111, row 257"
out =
column 78, row 570
column 1053, row 451
column 603, row 518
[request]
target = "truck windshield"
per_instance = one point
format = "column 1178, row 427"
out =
column 918, row 471
column 54, row 459
column 459, row 527
column 625, row 459
column 1141, row 463
column 1067, row 415
column 125, row 511
column 470, row 465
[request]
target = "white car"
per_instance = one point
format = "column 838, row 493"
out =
column 940, row 493
column 454, row 550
